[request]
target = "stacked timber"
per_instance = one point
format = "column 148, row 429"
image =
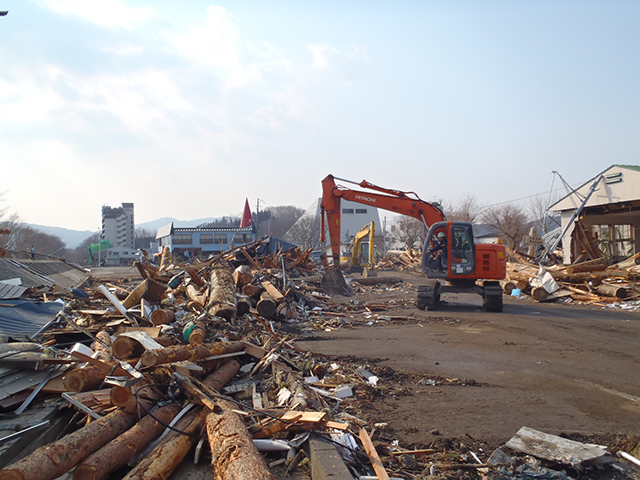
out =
column 594, row 281
column 408, row 259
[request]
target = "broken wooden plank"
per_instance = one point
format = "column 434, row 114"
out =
column 373, row 455
column 273, row 291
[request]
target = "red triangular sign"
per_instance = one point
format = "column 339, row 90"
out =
column 247, row 219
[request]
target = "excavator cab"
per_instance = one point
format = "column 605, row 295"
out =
column 449, row 250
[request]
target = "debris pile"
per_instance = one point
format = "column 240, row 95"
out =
column 407, row 259
column 593, row 282
column 131, row 375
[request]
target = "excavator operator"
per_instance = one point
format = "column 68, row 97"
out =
column 439, row 251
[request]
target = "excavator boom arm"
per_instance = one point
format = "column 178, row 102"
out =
column 394, row 201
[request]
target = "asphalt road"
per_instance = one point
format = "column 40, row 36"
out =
column 553, row 367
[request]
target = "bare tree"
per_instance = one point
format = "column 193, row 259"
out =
column 277, row 221
column 510, row 220
column 144, row 237
column 411, row 232
column 80, row 254
column 467, row 209
column 539, row 213
column 305, row 233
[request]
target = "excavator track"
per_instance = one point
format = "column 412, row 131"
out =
column 492, row 297
column 429, row 295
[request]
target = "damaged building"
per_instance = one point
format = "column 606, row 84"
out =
column 602, row 217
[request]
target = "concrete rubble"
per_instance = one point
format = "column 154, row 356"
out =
column 130, row 377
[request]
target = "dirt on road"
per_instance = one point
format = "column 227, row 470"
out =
column 460, row 372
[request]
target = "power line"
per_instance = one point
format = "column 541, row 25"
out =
column 528, row 196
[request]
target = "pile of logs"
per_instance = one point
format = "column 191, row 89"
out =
column 408, row 259
column 593, row 281
column 163, row 350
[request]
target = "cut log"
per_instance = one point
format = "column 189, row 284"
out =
column 589, row 276
column 244, row 305
column 169, row 453
column 628, row 263
column 252, row 291
column 223, row 375
column 127, row 347
column 84, row 379
column 195, row 296
column 119, row 451
column 198, row 335
column 234, row 456
column 196, row 278
column 222, row 293
column 596, row 265
column 266, row 305
column 607, row 290
column 178, row 353
column 242, row 276
column 57, row 458
column 103, row 347
column 162, row 316
column 120, row 395
column 508, row 286
column 539, row 294
column 594, row 298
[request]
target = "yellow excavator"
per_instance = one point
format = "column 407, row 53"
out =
column 356, row 262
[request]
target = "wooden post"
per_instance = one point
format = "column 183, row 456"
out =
column 119, row 451
column 57, row 458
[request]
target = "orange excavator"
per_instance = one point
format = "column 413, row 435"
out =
column 451, row 260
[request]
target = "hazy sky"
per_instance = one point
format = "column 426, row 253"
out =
column 186, row 108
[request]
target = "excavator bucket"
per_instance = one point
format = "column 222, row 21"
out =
column 333, row 283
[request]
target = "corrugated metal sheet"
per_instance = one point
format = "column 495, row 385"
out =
column 8, row 291
column 19, row 318
column 37, row 273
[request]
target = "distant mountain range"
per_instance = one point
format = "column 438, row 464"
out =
column 73, row 238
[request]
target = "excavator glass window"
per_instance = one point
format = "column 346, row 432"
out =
column 462, row 250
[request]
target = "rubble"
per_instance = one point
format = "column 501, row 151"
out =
column 188, row 346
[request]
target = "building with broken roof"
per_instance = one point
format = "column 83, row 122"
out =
column 602, row 216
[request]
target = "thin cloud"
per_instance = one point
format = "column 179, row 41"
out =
column 107, row 13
